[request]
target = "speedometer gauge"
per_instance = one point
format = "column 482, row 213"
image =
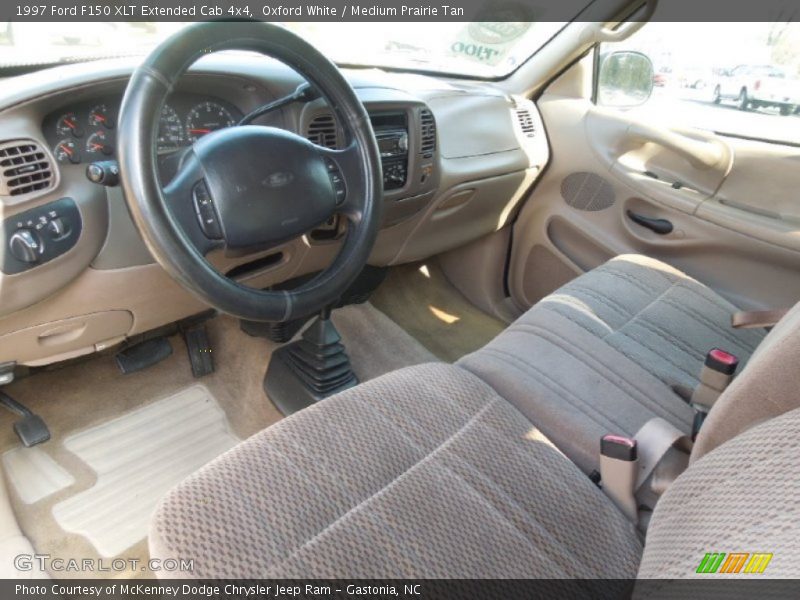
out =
column 171, row 135
column 205, row 118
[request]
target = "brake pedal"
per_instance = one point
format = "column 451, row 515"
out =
column 143, row 355
column 31, row 428
column 200, row 351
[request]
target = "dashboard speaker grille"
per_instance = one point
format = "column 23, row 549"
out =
column 587, row 191
column 322, row 131
column 427, row 133
column 526, row 122
column 24, row 168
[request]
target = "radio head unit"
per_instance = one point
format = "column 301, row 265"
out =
column 391, row 133
column 392, row 142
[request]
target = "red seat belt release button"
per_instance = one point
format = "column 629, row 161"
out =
column 721, row 361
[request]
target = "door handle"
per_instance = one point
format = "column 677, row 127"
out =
column 659, row 226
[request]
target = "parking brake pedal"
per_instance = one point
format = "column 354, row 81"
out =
column 31, row 428
column 199, row 347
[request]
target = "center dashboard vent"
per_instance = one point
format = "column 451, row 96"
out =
column 24, row 168
column 322, row 131
column 427, row 133
column 526, row 123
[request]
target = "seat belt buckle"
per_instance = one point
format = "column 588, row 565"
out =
column 716, row 375
column 619, row 465
column 721, row 361
column 619, row 447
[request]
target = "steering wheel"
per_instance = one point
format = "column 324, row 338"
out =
column 249, row 187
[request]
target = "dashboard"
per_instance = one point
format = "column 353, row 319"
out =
column 75, row 275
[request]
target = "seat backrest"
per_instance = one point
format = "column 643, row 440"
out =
column 767, row 387
column 740, row 499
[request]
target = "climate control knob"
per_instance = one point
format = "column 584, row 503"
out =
column 25, row 245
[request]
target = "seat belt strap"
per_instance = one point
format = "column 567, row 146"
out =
column 627, row 463
column 654, row 440
column 751, row 319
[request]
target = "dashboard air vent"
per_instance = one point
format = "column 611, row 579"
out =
column 427, row 133
column 322, row 131
column 526, row 122
column 24, row 168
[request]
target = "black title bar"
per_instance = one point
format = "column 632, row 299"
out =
column 392, row 10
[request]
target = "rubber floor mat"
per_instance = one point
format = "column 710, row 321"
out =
column 138, row 457
column 34, row 474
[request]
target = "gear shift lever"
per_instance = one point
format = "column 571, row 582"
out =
column 309, row 369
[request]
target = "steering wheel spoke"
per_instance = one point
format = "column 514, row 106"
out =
column 190, row 204
column 347, row 177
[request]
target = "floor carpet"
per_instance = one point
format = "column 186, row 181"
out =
column 423, row 302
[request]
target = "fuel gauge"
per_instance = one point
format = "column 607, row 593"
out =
column 68, row 125
column 97, row 143
column 67, row 151
column 99, row 117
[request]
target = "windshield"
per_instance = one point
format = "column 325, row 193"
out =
column 485, row 50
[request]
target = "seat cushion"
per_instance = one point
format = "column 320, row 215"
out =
column 609, row 351
column 659, row 317
column 739, row 498
column 422, row 473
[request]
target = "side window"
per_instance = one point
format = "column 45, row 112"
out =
column 739, row 79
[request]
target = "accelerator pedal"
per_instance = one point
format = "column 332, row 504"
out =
column 200, row 351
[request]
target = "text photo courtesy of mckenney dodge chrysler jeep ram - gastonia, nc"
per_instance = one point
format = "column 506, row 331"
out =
column 401, row 300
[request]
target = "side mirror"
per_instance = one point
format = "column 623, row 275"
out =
column 625, row 79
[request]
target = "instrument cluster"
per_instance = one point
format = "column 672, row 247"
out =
column 86, row 132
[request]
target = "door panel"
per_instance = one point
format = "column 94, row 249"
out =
column 653, row 158
column 732, row 203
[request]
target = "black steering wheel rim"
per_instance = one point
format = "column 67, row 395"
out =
column 166, row 237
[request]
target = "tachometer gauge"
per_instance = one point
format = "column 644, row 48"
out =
column 96, row 143
column 67, row 151
column 68, row 125
column 171, row 135
column 99, row 117
column 205, row 118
